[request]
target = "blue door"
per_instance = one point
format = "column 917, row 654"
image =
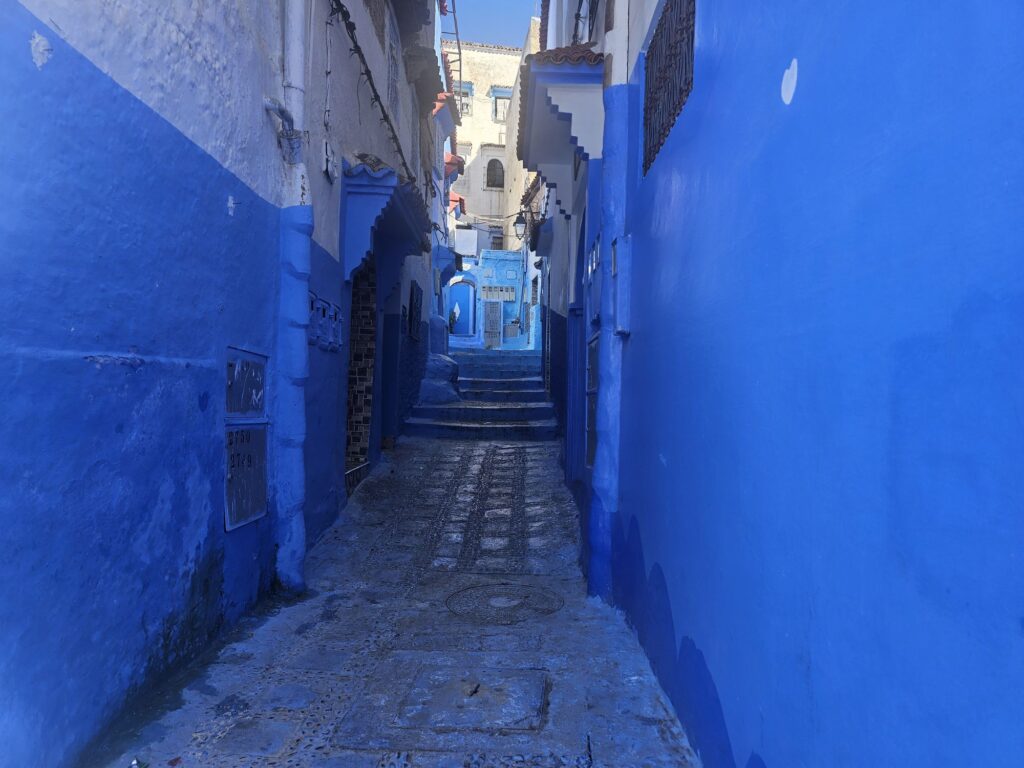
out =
column 462, row 300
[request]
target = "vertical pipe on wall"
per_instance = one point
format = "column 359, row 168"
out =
column 292, row 352
column 296, row 190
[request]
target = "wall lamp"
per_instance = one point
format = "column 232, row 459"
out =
column 520, row 226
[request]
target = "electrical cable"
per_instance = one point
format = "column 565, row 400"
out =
column 338, row 8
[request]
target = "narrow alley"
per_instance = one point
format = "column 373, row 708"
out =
column 511, row 384
column 447, row 625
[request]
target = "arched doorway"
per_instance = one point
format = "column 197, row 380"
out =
column 462, row 303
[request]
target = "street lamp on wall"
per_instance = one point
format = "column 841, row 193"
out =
column 520, row 225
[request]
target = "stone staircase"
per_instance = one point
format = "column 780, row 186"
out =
column 503, row 399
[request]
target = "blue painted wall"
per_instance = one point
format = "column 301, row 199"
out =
column 493, row 268
column 326, row 402
column 556, row 330
column 123, row 279
column 820, row 535
column 413, row 366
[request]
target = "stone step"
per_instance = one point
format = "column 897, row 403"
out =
column 504, row 383
column 498, row 372
column 546, row 429
column 503, row 354
column 538, row 395
column 485, row 411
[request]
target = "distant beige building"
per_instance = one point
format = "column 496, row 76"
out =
column 488, row 74
column 518, row 180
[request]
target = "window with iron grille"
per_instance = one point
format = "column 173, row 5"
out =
column 500, row 109
column 669, row 74
column 464, row 95
column 497, row 239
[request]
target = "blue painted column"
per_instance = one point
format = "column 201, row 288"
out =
column 604, row 499
column 289, row 399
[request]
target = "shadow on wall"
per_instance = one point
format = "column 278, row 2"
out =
column 683, row 672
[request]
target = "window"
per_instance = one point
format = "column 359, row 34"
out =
column 499, row 293
column 500, row 109
column 497, row 241
column 669, row 74
column 464, row 97
column 495, row 174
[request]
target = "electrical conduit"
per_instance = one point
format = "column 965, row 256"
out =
column 291, row 349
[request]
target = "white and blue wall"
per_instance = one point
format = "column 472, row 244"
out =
column 493, row 269
column 144, row 237
column 812, row 484
column 132, row 259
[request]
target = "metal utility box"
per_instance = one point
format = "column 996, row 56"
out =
column 245, row 438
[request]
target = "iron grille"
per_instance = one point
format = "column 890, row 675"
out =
column 415, row 309
column 669, row 74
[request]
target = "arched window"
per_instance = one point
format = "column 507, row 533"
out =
column 495, row 174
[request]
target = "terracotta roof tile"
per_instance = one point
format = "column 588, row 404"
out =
column 453, row 163
column 448, row 100
column 449, row 79
column 581, row 53
column 456, row 201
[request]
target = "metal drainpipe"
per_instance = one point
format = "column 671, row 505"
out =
column 292, row 352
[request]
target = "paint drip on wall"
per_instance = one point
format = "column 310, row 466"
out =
column 789, row 83
column 41, row 49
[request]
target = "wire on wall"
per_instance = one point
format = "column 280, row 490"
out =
column 339, row 9
column 327, row 77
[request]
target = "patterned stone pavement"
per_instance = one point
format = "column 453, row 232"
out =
column 447, row 624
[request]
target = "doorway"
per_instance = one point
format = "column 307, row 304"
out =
column 361, row 361
column 462, row 303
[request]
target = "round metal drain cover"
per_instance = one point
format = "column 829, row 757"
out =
column 503, row 603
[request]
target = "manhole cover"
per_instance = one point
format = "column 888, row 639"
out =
column 504, row 603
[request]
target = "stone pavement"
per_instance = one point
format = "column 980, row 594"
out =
column 447, row 624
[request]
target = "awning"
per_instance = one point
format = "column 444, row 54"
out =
column 561, row 114
column 376, row 200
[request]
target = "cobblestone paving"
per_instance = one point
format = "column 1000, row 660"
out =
column 447, row 624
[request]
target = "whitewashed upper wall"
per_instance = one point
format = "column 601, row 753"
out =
column 207, row 67
column 354, row 122
column 484, row 66
column 642, row 14
column 204, row 67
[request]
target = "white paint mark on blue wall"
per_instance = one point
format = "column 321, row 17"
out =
column 41, row 49
column 789, row 83
column 231, row 205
